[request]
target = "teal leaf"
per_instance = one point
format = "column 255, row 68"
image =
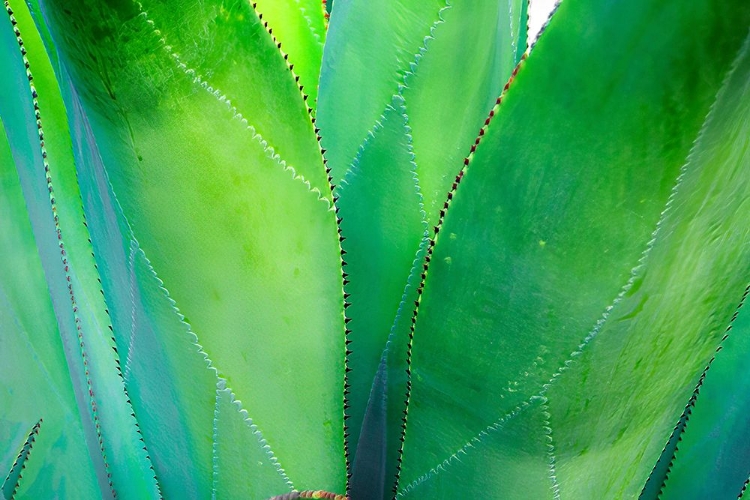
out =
column 29, row 337
column 10, row 484
column 164, row 369
column 383, row 221
column 391, row 189
column 244, row 463
column 38, row 139
column 369, row 48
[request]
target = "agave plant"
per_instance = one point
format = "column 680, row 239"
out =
column 248, row 251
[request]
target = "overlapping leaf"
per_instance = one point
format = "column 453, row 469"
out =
column 547, row 323
column 300, row 28
column 32, row 109
column 547, row 254
column 393, row 165
column 712, row 456
column 30, row 338
column 265, row 298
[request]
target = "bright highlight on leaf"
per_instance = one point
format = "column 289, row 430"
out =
column 374, row 250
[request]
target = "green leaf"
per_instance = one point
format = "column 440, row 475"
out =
column 712, row 456
column 244, row 464
column 33, row 111
column 655, row 482
column 165, row 372
column 10, row 485
column 299, row 26
column 710, row 460
column 369, row 48
column 246, row 246
column 223, row 49
column 382, row 188
column 29, row 337
column 655, row 357
column 450, row 92
column 546, row 267
column 744, row 489
column 502, row 458
column 384, row 223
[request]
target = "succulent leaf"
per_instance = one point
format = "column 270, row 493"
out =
column 711, row 459
column 299, row 26
column 386, row 213
column 273, row 281
column 33, row 111
column 462, row 296
column 548, row 246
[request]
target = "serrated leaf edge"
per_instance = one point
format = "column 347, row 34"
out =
column 221, row 386
column 201, row 82
column 21, row 459
column 68, row 277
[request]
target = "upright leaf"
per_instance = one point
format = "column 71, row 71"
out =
column 369, row 48
column 648, row 356
column 244, row 464
column 32, row 108
column 384, row 223
column 712, row 458
column 10, row 484
column 246, row 246
column 166, row 374
column 450, row 92
column 394, row 156
column 31, row 341
column 299, row 26
column 546, row 242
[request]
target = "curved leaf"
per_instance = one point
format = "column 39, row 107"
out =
column 37, row 132
column 544, row 246
column 401, row 165
column 167, row 376
column 246, row 246
column 712, row 456
column 384, row 223
column 244, row 464
column 10, row 485
column 30, row 339
column 299, row 26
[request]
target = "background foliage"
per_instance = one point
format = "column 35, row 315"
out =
column 247, row 249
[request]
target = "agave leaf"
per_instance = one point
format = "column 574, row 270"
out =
column 166, row 374
column 655, row 482
column 712, row 456
column 369, row 48
column 412, row 63
column 299, row 26
column 384, row 223
column 162, row 372
column 30, row 339
column 378, row 49
column 548, row 246
column 505, row 458
column 244, row 464
column 221, row 46
column 37, row 133
column 246, row 246
column 655, row 357
column 711, row 459
column 10, row 485
column 449, row 92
